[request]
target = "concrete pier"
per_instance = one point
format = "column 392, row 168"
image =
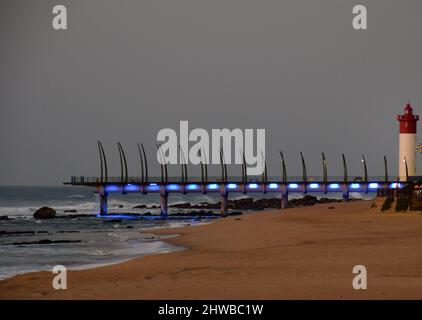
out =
column 224, row 200
column 224, row 188
column 284, row 197
column 103, row 201
column 164, row 201
column 345, row 191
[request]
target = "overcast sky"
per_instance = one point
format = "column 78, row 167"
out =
column 126, row 69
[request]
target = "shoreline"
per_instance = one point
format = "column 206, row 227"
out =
column 95, row 265
column 152, row 231
column 299, row 253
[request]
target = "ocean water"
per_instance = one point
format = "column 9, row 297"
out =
column 94, row 240
column 84, row 241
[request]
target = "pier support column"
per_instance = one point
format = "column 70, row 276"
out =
column 224, row 200
column 164, row 201
column 204, row 188
column 284, row 197
column 103, row 201
column 345, row 190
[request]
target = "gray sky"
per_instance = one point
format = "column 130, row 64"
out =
column 126, row 69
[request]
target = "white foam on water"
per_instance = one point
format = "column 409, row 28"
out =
column 148, row 248
column 98, row 247
column 76, row 196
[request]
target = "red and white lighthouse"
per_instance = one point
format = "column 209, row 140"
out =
column 407, row 143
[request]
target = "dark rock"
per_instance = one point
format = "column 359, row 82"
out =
column 265, row 203
column 141, row 206
column 17, row 232
column 45, row 213
column 331, row 207
column 113, row 221
column 44, row 241
column 307, row 200
column 70, row 211
column 5, row 218
column 121, row 206
column 250, row 204
column 199, row 214
column 76, row 216
column 185, row 205
column 129, row 227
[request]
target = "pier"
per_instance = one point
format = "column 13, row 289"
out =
column 224, row 185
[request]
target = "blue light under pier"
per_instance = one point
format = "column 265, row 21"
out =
column 212, row 186
column 334, row 186
column 192, row 187
column 153, row 187
column 250, row 187
column 355, row 186
column 173, row 187
column 132, row 188
column 113, row 188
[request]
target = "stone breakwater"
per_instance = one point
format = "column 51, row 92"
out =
column 259, row 204
column 199, row 209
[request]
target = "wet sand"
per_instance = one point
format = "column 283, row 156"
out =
column 300, row 253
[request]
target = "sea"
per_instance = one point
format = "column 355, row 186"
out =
column 79, row 238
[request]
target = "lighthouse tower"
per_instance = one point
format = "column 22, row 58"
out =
column 407, row 143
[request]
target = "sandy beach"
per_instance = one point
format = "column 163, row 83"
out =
column 300, row 253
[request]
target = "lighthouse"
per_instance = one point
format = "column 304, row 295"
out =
column 407, row 143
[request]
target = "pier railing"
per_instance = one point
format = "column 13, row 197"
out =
column 82, row 180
